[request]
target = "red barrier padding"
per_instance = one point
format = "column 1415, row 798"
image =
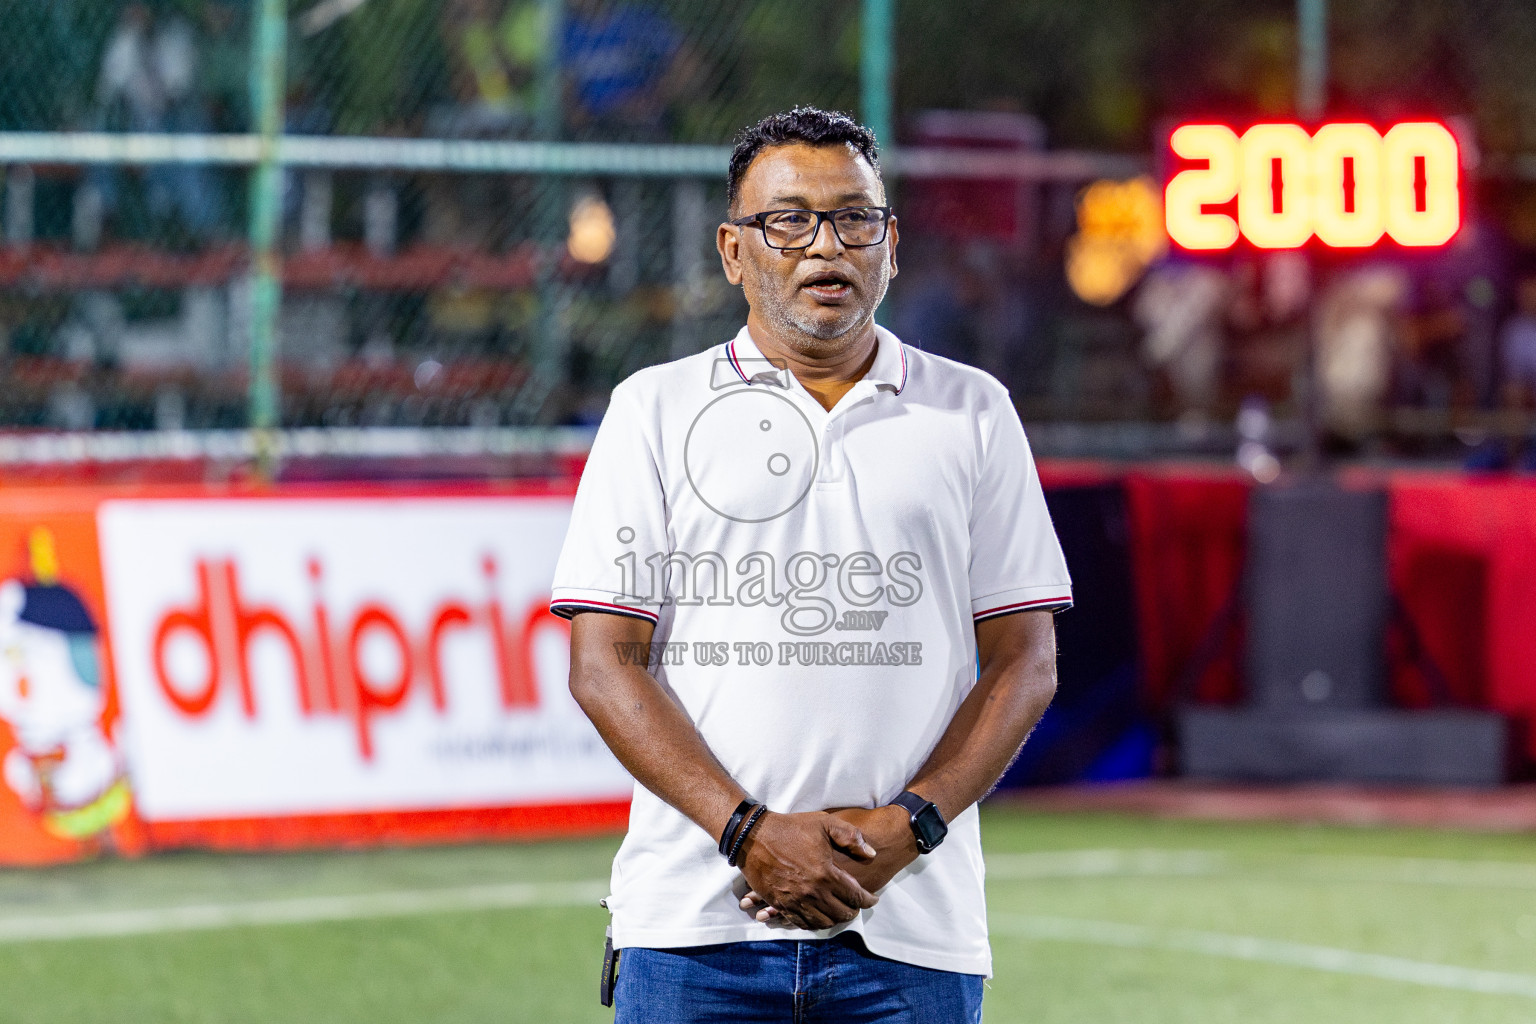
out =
column 1188, row 530
column 458, row 825
column 1462, row 554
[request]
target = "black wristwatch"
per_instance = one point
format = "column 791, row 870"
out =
column 928, row 826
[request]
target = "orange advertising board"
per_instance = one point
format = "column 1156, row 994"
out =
column 268, row 670
column 65, row 793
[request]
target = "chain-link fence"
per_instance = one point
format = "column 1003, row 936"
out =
column 484, row 213
column 610, row 70
column 414, row 296
column 482, row 282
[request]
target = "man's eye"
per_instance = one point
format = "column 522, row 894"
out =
column 860, row 216
column 789, row 220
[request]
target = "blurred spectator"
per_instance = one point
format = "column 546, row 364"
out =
column 622, row 68
column 1267, row 325
column 1358, row 323
column 303, row 114
column 496, row 58
column 1427, row 373
column 1009, row 320
column 173, row 63
column 1450, row 356
column 937, row 312
column 495, row 49
column 1181, row 307
column 187, row 190
column 1477, row 261
column 149, row 83
column 972, row 304
column 225, row 47
column 127, row 99
column 1517, row 348
column 128, row 96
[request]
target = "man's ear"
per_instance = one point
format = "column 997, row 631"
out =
column 895, row 236
column 728, row 242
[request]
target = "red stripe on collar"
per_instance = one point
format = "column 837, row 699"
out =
column 730, row 354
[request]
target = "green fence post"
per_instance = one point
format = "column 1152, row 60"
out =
column 268, row 79
column 551, row 196
column 877, row 59
column 876, row 67
column 549, row 86
column 1312, row 58
column 1311, row 105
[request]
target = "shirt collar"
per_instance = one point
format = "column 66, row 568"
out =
column 746, row 362
column 889, row 369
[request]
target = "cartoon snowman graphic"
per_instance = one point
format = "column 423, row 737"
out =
column 64, row 765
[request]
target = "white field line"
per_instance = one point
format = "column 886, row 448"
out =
column 1017, row 867
column 298, row 910
column 1480, row 874
column 1266, row 951
column 1021, row 867
column 1132, row 863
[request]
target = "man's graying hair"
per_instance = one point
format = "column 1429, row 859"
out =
column 811, row 126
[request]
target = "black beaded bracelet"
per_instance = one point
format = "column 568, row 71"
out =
column 741, row 836
column 742, row 810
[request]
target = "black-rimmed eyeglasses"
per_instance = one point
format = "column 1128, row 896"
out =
column 856, row 226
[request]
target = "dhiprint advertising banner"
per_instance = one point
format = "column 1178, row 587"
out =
column 286, row 670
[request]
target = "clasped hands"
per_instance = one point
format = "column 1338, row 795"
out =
column 819, row 869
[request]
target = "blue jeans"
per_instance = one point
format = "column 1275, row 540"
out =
column 833, row 980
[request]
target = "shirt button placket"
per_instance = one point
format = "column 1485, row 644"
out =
column 833, row 463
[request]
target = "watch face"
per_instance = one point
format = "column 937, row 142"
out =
column 929, row 827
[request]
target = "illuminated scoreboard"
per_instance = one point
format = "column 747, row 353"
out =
column 1277, row 186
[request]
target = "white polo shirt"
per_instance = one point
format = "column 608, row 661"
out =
column 815, row 578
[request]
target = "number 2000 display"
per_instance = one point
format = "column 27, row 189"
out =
column 1348, row 184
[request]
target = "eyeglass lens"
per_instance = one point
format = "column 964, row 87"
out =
column 856, row 225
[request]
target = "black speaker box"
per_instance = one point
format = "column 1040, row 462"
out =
column 1391, row 747
column 1318, row 606
column 1317, row 597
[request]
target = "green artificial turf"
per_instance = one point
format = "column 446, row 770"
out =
column 1437, row 898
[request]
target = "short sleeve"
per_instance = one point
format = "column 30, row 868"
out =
column 618, row 520
column 1016, row 560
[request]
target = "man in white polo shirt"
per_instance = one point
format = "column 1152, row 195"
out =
column 811, row 576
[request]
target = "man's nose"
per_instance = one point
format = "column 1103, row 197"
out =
column 825, row 241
